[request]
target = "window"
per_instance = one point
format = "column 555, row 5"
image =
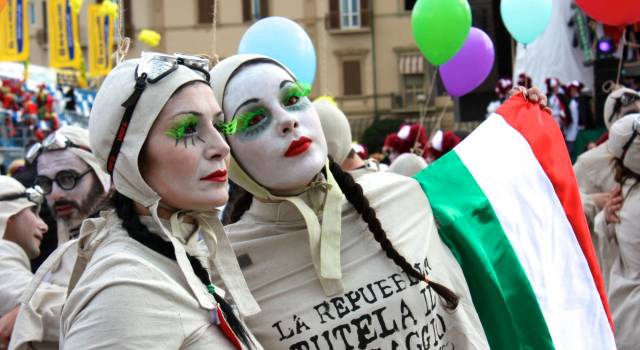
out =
column 412, row 79
column 413, row 85
column 205, row 11
column 346, row 14
column 254, row 9
column 351, row 77
column 408, row 4
column 350, row 13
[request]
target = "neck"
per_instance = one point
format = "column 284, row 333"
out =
column 164, row 211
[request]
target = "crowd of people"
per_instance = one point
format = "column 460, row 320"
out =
column 221, row 208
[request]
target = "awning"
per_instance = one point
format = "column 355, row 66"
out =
column 411, row 64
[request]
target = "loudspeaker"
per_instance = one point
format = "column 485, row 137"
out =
column 605, row 69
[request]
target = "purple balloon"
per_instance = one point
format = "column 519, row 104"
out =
column 470, row 66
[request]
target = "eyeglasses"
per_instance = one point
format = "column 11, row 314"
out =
column 66, row 179
column 33, row 194
column 152, row 68
column 627, row 145
column 54, row 142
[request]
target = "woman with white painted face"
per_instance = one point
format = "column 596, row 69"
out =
column 139, row 280
column 332, row 262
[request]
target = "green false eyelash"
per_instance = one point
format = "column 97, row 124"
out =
column 179, row 129
column 297, row 89
column 239, row 123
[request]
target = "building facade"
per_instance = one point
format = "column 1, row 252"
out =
column 367, row 57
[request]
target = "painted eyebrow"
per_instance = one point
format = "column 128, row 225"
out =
column 251, row 100
column 197, row 114
column 284, row 82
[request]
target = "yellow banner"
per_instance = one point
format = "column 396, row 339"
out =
column 64, row 45
column 14, row 30
column 100, row 41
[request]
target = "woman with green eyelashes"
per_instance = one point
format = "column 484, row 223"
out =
column 142, row 281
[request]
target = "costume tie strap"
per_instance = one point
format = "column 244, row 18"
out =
column 221, row 255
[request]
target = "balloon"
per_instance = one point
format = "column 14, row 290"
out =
column 440, row 28
column 470, row 66
column 526, row 19
column 285, row 41
column 612, row 12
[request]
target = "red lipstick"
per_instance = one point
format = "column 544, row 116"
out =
column 298, row 146
column 216, row 176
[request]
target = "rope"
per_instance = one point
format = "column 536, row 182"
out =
column 624, row 42
column 123, row 41
column 425, row 107
column 214, row 56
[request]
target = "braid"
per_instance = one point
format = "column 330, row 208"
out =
column 354, row 194
column 138, row 231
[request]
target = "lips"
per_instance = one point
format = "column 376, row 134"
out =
column 298, row 147
column 216, row 176
column 64, row 209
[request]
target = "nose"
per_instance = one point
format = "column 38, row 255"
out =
column 217, row 147
column 56, row 194
column 288, row 123
column 42, row 226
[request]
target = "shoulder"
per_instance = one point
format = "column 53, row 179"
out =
column 394, row 195
column 595, row 156
column 13, row 254
column 387, row 185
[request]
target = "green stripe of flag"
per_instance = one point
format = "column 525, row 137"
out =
column 500, row 289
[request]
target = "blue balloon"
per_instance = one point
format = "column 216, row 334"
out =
column 284, row 40
column 525, row 19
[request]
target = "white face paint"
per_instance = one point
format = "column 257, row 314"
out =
column 283, row 148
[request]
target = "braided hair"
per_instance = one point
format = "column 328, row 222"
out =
column 355, row 195
column 138, row 231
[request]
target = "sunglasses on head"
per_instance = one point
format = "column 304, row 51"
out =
column 65, row 179
column 152, row 68
column 33, row 194
column 54, row 142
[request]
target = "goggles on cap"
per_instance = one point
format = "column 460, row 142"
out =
column 625, row 100
column 152, row 68
column 33, row 194
column 627, row 145
column 54, row 142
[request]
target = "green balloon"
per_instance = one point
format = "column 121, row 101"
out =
column 440, row 28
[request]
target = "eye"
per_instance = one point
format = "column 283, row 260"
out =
column 292, row 100
column 256, row 119
column 190, row 129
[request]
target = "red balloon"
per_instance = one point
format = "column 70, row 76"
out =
column 612, row 12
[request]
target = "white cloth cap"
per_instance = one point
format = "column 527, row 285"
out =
column 408, row 164
column 620, row 133
column 610, row 103
column 336, row 129
column 10, row 186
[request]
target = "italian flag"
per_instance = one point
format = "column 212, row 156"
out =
column 508, row 207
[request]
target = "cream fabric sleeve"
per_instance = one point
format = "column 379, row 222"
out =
column 120, row 307
column 15, row 275
column 606, row 246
